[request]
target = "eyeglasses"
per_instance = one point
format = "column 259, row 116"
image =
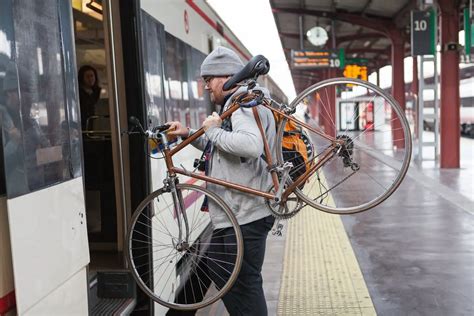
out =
column 208, row 80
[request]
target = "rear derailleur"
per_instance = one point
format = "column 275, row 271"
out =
column 345, row 151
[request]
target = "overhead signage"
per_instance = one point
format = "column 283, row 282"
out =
column 357, row 61
column 356, row 72
column 315, row 59
column 423, row 27
column 468, row 32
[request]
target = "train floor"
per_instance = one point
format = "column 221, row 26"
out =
column 411, row 255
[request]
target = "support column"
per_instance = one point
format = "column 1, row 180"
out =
column 326, row 103
column 450, row 102
column 414, row 93
column 414, row 82
column 331, row 122
column 322, row 113
column 398, row 83
column 378, row 77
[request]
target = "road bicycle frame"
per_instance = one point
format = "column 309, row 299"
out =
column 281, row 196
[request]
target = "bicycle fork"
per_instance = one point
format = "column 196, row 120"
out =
column 182, row 242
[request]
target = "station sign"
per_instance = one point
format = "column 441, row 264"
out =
column 317, row 59
column 423, row 27
column 468, row 32
column 357, row 61
column 356, row 72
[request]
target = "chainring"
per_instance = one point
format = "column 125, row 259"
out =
column 285, row 210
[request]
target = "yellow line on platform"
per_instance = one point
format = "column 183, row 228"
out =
column 321, row 275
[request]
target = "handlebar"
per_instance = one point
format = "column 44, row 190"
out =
column 153, row 133
column 160, row 128
column 156, row 134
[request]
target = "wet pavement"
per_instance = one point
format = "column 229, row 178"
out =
column 416, row 250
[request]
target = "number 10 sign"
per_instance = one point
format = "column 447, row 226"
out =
column 423, row 28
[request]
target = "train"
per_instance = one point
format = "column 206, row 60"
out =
column 466, row 114
column 70, row 178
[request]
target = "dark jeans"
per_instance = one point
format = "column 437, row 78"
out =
column 246, row 297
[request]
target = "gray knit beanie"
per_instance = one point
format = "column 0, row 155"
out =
column 221, row 62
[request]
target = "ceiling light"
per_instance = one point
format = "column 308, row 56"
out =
column 95, row 6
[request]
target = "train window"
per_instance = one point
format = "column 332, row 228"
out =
column 152, row 39
column 74, row 156
column 6, row 55
column 199, row 98
column 176, row 77
column 181, row 86
column 3, row 188
column 40, row 149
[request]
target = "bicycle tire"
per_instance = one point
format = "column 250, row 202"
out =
column 143, row 220
column 339, row 205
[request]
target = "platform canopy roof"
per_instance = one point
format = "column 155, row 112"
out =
column 361, row 27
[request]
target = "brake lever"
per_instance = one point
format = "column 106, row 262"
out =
column 161, row 128
column 130, row 133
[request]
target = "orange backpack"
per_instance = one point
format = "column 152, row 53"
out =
column 296, row 147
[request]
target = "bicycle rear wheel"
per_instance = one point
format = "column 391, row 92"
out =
column 374, row 152
column 178, row 275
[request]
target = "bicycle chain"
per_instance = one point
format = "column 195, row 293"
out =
column 300, row 205
column 288, row 215
column 344, row 179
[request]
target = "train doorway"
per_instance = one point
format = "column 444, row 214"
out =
column 349, row 116
column 103, row 116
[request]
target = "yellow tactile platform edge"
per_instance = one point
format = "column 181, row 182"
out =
column 321, row 275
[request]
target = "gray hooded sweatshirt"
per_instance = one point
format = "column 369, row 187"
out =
column 236, row 157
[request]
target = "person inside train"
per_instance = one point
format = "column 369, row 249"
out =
column 89, row 92
column 235, row 150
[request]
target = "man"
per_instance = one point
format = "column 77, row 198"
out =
column 236, row 148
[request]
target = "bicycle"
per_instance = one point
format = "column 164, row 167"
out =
column 170, row 239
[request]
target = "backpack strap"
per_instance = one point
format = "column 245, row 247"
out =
column 266, row 148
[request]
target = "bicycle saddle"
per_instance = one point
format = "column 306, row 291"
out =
column 257, row 66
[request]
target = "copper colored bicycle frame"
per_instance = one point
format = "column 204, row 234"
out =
column 325, row 156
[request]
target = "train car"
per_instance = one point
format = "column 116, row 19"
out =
column 71, row 176
column 466, row 112
column 467, row 107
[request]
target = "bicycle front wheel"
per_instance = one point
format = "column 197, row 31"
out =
column 373, row 151
column 175, row 264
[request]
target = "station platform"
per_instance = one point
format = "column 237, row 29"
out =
column 411, row 255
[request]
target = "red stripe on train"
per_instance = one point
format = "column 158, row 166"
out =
column 7, row 303
column 191, row 181
column 213, row 24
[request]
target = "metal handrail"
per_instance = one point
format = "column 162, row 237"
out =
column 101, row 133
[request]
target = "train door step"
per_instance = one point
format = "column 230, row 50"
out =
column 114, row 306
column 112, row 293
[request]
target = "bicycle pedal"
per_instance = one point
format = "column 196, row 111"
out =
column 277, row 230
